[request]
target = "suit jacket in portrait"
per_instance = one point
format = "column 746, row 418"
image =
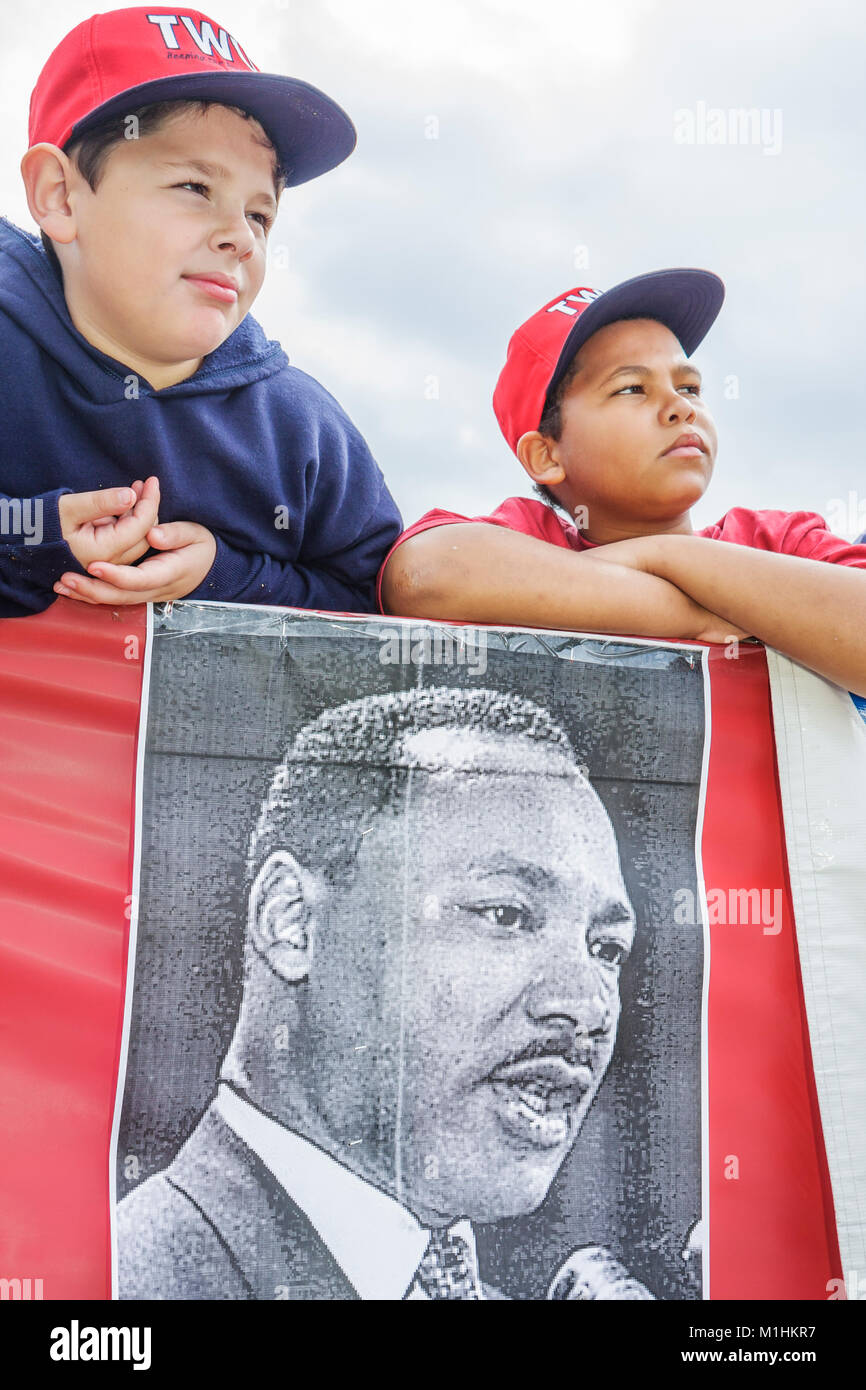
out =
column 216, row 1224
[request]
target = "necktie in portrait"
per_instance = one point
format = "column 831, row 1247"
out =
column 448, row 1268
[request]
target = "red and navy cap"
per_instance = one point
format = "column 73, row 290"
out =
column 539, row 354
column 129, row 58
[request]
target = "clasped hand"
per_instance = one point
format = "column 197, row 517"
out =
column 107, row 531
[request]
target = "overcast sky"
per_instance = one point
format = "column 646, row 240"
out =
column 398, row 278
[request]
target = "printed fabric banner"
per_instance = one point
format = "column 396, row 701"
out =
column 351, row 957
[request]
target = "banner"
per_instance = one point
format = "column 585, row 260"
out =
column 325, row 933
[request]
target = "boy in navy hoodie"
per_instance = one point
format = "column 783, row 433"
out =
column 155, row 443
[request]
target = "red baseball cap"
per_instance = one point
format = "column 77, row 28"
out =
column 539, row 354
column 128, row 58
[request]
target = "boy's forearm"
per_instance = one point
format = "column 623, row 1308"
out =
column 240, row 576
column 475, row 572
column 809, row 610
column 33, row 553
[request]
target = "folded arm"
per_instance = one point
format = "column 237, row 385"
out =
column 347, row 585
column 198, row 564
column 476, row 572
column 809, row 610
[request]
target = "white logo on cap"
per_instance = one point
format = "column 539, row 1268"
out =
column 583, row 296
column 205, row 39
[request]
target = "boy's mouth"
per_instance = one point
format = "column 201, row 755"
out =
column 687, row 446
column 218, row 286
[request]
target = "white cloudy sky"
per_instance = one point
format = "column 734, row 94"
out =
column 418, row 257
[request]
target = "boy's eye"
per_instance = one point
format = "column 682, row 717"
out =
column 692, row 387
column 263, row 218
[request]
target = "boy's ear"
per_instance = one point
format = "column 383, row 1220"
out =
column 534, row 453
column 46, row 172
column 283, row 915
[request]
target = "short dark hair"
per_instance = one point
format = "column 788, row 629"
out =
column 351, row 762
column 90, row 151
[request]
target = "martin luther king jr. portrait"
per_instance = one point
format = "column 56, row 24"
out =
column 436, row 926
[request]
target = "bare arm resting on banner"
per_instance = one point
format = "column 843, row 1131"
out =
column 478, row 573
column 809, row 610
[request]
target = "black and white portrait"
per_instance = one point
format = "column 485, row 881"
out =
column 409, row 1013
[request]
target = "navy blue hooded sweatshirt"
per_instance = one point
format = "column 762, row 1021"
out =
column 251, row 448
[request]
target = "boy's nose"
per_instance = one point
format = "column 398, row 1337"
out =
column 235, row 234
column 678, row 408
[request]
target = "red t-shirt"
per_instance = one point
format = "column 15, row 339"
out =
column 786, row 533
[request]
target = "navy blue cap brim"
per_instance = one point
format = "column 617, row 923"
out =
column 685, row 301
column 310, row 132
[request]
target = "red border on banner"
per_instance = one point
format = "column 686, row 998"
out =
column 772, row 1223
column 70, row 694
column 69, row 714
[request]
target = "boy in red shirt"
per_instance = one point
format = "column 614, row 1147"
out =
column 602, row 406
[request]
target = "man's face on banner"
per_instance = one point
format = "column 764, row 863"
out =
column 464, row 994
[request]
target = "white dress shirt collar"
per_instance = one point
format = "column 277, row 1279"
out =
column 376, row 1242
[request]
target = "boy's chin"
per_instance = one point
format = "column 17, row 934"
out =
column 211, row 338
column 686, row 494
column 191, row 348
